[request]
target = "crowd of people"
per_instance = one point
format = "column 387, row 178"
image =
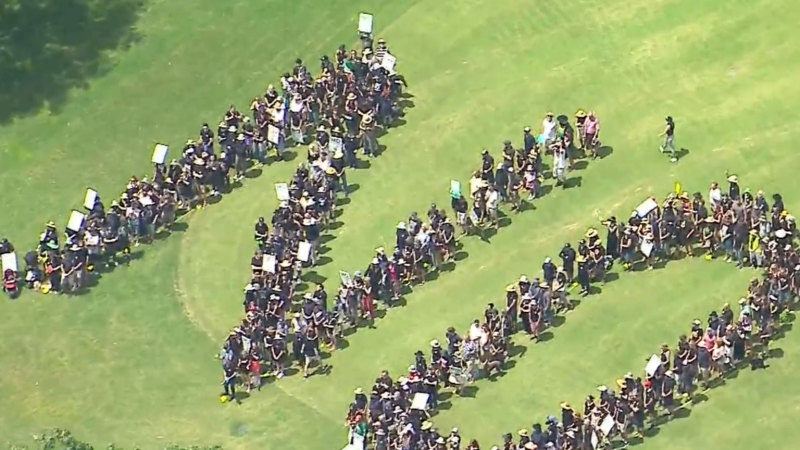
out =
column 745, row 230
column 340, row 110
column 278, row 332
column 354, row 97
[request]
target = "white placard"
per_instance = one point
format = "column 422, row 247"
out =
column 10, row 262
column 89, row 199
column 646, row 247
column 282, row 191
column 455, row 187
column 269, row 263
column 160, row 154
column 345, row 277
column 336, row 144
column 388, row 62
column 644, row 209
column 145, row 200
column 75, row 222
column 365, row 22
column 273, row 134
column 607, row 425
column 420, row 401
column 304, row 251
column 652, row 365
column 595, row 441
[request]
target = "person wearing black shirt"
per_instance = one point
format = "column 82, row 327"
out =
column 568, row 256
column 487, row 167
column 669, row 139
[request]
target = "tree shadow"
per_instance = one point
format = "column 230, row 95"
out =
column 49, row 48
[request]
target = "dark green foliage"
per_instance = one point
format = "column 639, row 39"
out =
column 50, row 46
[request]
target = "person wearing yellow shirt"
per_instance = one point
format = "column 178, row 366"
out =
column 754, row 249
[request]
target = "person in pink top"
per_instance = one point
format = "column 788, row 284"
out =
column 591, row 134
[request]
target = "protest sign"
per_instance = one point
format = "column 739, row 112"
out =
column 644, row 209
column 160, row 154
column 652, row 365
column 282, row 191
column 388, row 62
column 365, row 22
column 10, row 262
column 89, row 199
column 75, row 222
column 269, row 263
column 273, row 134
column 420, row 401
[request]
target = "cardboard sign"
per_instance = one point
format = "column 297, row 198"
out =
column 145, row 200
column 652, row 365
column 160, row 154
column 388, row 62
column 365, row 22
column 646, row 247
column 646, row 207
column 269, row 263
column 89, row 199
column 273, row 134
column 282, row 191
column 336, row 144
column 345, row 277
column 304, row 251
column 607, row 425
column 76, row 219
column 10, row 262
column 420, row 401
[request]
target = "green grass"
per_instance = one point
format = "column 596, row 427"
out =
column 132, row 361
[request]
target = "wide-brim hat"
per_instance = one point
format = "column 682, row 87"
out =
column 733, row 179
column 330, row 171
column 358, row 391
column 435, row 343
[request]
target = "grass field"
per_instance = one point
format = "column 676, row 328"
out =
column 132, row 361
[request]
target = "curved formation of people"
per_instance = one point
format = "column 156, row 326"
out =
column 276, row 333
column 736, row 225
column 340, row 108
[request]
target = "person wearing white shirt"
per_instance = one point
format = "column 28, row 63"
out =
column 492, row 202
column 560, row 162
column 549, row 129
column 714, row 195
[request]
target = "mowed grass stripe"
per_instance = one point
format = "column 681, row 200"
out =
column 631, row 103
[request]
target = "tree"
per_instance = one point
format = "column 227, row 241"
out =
column 48, row 47
column 60, row 439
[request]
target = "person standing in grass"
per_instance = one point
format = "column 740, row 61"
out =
column 669, row 139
